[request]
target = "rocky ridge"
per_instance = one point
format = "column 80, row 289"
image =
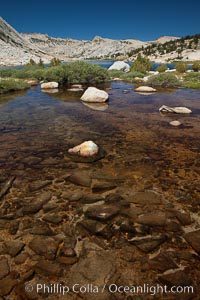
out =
column 17, row 49
column 99, row 47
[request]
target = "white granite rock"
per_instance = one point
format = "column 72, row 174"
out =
column 175, row 123
column 177, row 110
column 146, row 89
column 168, row 70
column 120, row 66
column 86, row 149
column 93, row 94
column 49, row 85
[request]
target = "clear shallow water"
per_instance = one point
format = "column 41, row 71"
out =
column 130, row 129
column 143, row 152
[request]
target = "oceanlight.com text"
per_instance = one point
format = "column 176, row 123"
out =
column 57, row 288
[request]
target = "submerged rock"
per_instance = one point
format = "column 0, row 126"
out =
column 162, row 262
column 8, row 283
column 93, row 94
column 145, row 89
column 147, row 197
column 76, row 88
column 177, row 110
column 49, row 85
column 97, row 106
column 12, row 248
column 101, row 186
column 4, row 267
column 81, row 178
column 148, row 243
column 153, row 218
column 88, row 148
column 48, row 268
column 44, row 246
column 50, row 91
column 102, row 212
column 120, row 66
column 175, row 123
column 178, row 278
column 193, row 238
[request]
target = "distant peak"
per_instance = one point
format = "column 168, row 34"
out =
column 167, row 38
column 97, row 38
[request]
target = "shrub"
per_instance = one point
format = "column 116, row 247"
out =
column 82, row 72
column 130, row 76
column 34, row 72
column 196, row 66
column 31, row 62
column 192, row 80
column 115, row 73
column 57, row 74
column 55, row 62
column 76, row 72
column 181, row 67
column 161, row 68
column 41, row 63
column 7, row 73
column 10, row 85
column 163, row 80
column 141, row 64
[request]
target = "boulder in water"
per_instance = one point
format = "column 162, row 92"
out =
column 86, row 149
column 177, row 110
column 145, row 89
column 93, row 94
column 49, row 85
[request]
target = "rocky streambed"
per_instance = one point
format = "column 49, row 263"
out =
column 99, row 229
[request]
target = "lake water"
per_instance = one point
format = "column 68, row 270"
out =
column 103, row 63
column 107, row 63
column 144, row 155
column 129, row 128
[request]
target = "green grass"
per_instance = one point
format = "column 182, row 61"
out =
column 192, row 80
column 129, row 76
column 10, row 85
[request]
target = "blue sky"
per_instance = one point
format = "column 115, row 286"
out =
column 144, row 20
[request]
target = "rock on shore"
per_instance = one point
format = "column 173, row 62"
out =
column 49, row 85
column 120, row 66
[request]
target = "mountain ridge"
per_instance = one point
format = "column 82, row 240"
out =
column 18, row 48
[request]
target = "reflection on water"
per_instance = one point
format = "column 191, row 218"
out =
column 10, row 96
column 140, row 144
